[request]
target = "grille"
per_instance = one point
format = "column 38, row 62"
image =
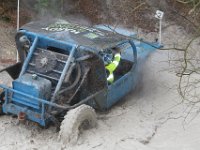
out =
column 47, row 64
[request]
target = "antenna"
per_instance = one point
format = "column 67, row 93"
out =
column 18, row 25
column 159, row 15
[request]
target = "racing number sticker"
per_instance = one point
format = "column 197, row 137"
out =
column 159, row 14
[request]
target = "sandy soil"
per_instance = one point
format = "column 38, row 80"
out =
column 7, row 44
column 149, row 118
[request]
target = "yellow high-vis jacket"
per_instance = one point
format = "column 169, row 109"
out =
column 112, row 67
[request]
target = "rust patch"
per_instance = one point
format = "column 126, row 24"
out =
column 38, row 116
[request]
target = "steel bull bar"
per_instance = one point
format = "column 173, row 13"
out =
column 39, row 116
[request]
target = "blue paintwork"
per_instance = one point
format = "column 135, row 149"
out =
column 28, row 96
column 30, row 54
column 45, row 41
column 15, row 106
column 119, row 30
column 126, row 83
column 39, row 116
column 40, row 88
column 31, row 114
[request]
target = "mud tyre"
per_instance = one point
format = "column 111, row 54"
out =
column 76, row 120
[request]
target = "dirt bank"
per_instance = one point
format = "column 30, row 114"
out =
column 7, row 43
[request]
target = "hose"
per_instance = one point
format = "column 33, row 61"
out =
column 82, row 81
column 78, row 76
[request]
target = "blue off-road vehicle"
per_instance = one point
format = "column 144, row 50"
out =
column 61, row 76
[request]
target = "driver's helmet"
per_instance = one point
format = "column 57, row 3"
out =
column 107, row 56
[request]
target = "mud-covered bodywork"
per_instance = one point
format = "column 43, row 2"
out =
column 61, row 69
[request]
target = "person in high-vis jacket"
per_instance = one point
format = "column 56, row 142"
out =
column 112, row 67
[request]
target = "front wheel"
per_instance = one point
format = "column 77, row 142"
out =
column 82, row 117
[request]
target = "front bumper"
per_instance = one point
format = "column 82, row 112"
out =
column 37, row 115
column 29, row 114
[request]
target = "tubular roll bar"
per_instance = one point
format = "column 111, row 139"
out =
column 43, row 101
